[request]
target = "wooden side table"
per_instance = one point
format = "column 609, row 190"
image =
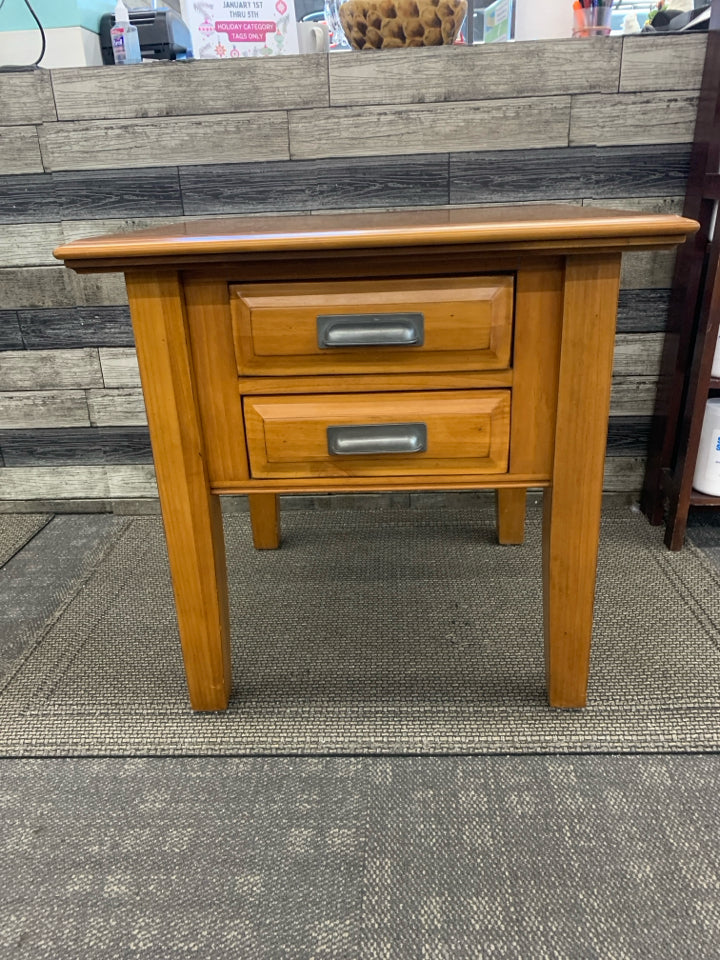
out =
column 443, row 349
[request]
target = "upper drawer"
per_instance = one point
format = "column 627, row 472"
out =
column 383, row 326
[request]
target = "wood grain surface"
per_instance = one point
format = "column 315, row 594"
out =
column 181, row 89
column 43, row 408
column 444, row 74
column 497, row 176
column 646, row 65
column 467, row 432
column 467, row 125
column 131, row 481
column 28, row 199
column 510, row 515
column 119, row 367
column 536, row 351
column 50, row 369
column 633, row 396
column 503, row 227
column 623, row 474
column 26, row 97
column 628, row 436
column 10, row 335
column 629, row 118
column 76, row 229
column 315, row 184
column 637, row 355
column 98, row 289
column 213, row 355
column 63, row 328
column 222, row 138
column 20, row 150
column 51, row 287
column 117, row 193
column 29, row 244
column 64, row 483
column 265, row 520
column 193, row 523
column 571, row 507
column 605, row 173
column 467, row 325
column 66, row 446
column 643, row 311
column 116, row 407
column 649, row 268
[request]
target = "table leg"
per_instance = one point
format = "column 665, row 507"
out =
column 265, row 520
column 510, row 514
column 571, row 509
column 191, row 514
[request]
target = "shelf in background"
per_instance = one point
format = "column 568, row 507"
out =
column 698, row 499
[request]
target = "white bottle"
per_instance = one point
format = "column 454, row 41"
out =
column 124, row 37
column 707, row 467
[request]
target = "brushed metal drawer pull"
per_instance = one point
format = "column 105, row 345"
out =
column 370, row 330
column 375, row 438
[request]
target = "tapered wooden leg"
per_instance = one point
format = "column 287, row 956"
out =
column 571, row 514
column 265, row 520
column 191, row 514
column 510, row 514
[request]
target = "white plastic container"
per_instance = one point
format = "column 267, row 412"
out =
column 707, row 467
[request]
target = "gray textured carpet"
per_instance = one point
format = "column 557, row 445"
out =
column 16, row 530
column 504, row 858
column 404, row 631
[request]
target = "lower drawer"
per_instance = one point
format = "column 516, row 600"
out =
column 379, row 434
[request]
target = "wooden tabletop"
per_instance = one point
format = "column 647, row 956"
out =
column 514, row 227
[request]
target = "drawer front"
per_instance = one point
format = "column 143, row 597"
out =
column 383, row 326
column 376, row 435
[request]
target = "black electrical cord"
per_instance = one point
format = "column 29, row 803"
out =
column 43, row 45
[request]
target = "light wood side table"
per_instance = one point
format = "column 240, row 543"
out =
column 443, row 349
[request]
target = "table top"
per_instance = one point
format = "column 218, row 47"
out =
column 512, row 227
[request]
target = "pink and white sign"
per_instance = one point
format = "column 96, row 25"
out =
column 225, row 29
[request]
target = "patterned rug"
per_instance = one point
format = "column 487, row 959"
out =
column 382, row 632
column 16, row 530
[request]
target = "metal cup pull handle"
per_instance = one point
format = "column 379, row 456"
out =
column 377, row 438
column 370, row 330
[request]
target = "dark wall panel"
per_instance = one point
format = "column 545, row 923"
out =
column 10, row 336
column 100, row 194
column 76, row 327
column 628, row 436
column 643, row 311
column 28, row 199
column 567, row 173
column 75, row 445
column 315, row 184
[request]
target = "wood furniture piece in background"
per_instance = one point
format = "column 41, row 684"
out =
column 693, row 322
column 443, row 349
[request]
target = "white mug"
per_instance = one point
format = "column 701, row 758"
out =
column 313, row 37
